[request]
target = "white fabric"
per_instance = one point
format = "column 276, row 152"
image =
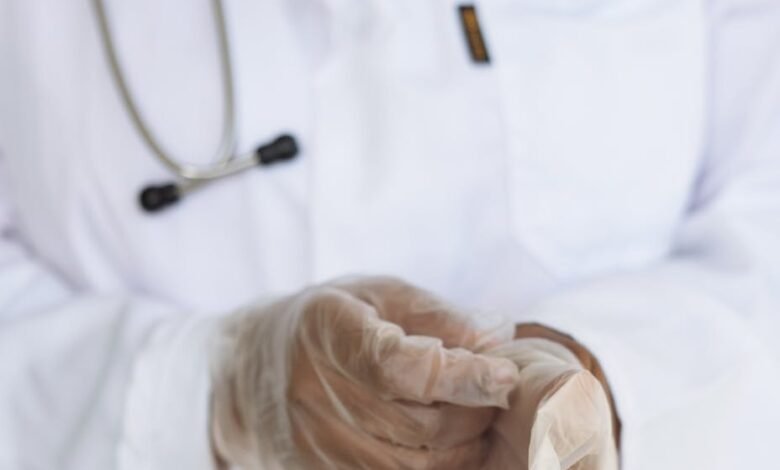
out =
column 170, row 385
column 614, row 171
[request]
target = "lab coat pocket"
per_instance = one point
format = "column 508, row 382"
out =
column 602, row 117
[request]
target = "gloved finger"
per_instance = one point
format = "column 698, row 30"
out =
column 420, row 369
column 340, row 445
column 436, row 426
column 457, row 330
column 419, row 312
column 526, row 351
column 467, row 456
column 440, row 425
column 453, row 329
column 342, row 333
column 416, row 311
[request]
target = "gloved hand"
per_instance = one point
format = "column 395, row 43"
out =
column 559, row 416
column 356, row 375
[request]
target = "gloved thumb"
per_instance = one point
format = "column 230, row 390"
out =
column 571, row 423
column 560, row 417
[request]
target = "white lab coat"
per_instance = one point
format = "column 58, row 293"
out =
column 613, row 172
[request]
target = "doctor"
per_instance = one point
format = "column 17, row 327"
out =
column 604, row 173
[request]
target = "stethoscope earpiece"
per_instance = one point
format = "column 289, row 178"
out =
column 155, row 198
column 283, row 148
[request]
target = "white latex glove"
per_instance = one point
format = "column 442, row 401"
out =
column 340, row 376
column 559, row 417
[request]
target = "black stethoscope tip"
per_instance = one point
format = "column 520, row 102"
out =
column 283, row 148
column 155, row 198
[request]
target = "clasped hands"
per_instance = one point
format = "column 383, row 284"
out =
column 373, row 373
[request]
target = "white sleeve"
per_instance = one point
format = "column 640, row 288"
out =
column 690, row 345
column 95, row 382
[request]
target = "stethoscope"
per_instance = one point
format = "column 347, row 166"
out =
column 191, row 177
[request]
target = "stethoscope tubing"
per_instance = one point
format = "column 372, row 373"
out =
column 154, row 198
column 225, row 162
